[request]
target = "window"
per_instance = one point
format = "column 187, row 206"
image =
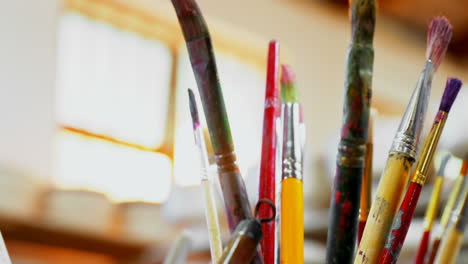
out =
column 119, row 70
column 112, row 104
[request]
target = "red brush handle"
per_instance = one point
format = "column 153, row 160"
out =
column 422, row 250
column 401, row 225
column 361, row 226
column 435, row 248
column 268, row 159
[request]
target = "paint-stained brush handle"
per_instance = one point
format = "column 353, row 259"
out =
column 200, row 50
column 203, row 62
column 401, row 225
column 344, row 207
column 388, row 196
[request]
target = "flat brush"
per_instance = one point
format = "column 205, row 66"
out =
column 404, row 149
column 405, row 214
column 292, row 197
column 267, row 180
column 452, row 242
column 431, row 212
column 454, row 196
column 211, row 214
column 344, row 206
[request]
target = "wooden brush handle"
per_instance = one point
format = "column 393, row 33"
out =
column 422, row 249
column 384, row 207
column 401, row 225
column 234, row 192
column 235, row 198
column 450, row 247
column 344, row 212
column 267, row 181
column 204, row 67
column 434, row 250
column 361, row 226
column 211, row 215
column 292, row 222
column 342, row 231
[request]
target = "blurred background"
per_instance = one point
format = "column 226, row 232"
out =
column 97, row 161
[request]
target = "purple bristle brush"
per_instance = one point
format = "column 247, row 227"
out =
column 405, row 214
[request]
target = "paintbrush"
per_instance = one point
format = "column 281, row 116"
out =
column 405, row 214
column 200, row 50
column 243, row 244
column 292, row 197
column 366, row 192
column 279, row 176
column 242, row 247
column 431, row 212
column 201, row 54
column 453, row 240
column 344, row 208
column 211, row 214
column 267, row 180
column 454, row 196
column 404, row 148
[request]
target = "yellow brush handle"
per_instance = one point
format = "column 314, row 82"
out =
column 431, row 210
column 292, row 222
column 450, row 247
column 451, row 203
column 383, row 209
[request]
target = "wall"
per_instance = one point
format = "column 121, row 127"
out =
column 27, row 80
column 315, row 34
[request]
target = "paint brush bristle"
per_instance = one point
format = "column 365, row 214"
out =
column 443, row 165
column 450, row 94
column 288, row 85
column 193, row 109
column 438, row 38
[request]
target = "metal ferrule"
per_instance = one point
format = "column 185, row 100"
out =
column 430, row 147
column 292, row 150
column 243, row 244
column 409, row 132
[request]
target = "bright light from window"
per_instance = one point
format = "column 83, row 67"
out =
column 122, row 173
column 112, row 82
